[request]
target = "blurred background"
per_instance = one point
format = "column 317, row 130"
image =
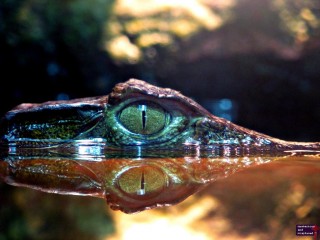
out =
column 256, row 63
column 253, row 62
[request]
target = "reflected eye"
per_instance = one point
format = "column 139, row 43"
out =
column 143, row 118
column 142, row 181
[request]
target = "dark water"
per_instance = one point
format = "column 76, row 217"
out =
column 248, row 197
column 260, row 202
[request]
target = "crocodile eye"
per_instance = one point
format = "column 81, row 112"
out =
column 142, row 182
column 143, row 118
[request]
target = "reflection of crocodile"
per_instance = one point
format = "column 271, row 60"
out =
column 135, row 117
column 134, row 114
column 128, row 184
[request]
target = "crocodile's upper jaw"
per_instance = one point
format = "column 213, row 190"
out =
column 130, row 116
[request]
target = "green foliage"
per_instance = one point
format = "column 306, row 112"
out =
column 126, row 30
column 47, row 23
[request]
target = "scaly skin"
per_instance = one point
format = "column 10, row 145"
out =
column 95, row 146
column 128, row 184
column 135, row 113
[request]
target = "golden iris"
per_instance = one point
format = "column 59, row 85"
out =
column 142, row 181
column 143, row 118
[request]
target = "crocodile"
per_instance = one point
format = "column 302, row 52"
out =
column 136, row 114
column 43, row 140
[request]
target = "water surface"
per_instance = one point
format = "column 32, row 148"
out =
column 235, row 197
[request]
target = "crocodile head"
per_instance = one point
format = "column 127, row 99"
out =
column 135, row 113
column 140, row 114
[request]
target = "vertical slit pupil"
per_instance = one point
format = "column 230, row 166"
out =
column 142, row 183
column 144, row 119
column 143, row 109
